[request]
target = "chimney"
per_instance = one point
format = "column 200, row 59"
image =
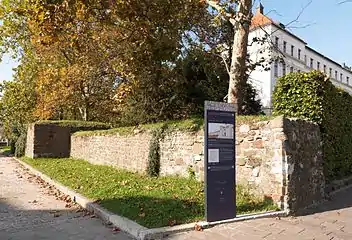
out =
column 260, row 9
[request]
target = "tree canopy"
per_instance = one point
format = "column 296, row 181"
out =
column 123, row 62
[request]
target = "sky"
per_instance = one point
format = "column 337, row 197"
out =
column 324, row 25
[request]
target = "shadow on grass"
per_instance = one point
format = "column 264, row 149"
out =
column 154, row 212
column 264, row 205
column 6, row 153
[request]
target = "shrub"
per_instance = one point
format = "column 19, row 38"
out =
column 153, row 168
column 20, row 146
column 312, row 96
column 76, row 126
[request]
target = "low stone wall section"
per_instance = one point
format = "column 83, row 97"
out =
column 281, row 158
column 127, row 152
column 48, row 140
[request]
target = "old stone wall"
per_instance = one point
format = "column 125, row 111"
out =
column 30, row 141
column 47, row 140
column 180, row 152
column 305, row 164
column 260, row 158
column 280, row 158
column 128, row 152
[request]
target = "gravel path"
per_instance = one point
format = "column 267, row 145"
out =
column 30, row 209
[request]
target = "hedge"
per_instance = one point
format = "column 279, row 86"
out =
column 76, row 126
column 312, row 96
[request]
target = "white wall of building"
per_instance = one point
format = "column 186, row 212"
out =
column 259, row 77
column 265, row 81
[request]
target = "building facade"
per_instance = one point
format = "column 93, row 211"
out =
column 279, row 52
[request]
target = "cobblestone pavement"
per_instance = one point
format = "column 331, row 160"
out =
column 330, row 221
column 31, row 210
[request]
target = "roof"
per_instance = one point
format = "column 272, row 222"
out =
column 260, row 20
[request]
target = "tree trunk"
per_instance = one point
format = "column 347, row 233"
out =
column 238, row 68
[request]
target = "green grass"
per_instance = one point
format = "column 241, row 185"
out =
column 189, row 125
column 152, row 202
column 6, row 150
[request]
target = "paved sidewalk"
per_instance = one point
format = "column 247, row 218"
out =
column 33, row 210
column 330, row 221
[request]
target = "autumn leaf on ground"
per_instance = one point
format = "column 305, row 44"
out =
column 172, row 222
column 198, row 228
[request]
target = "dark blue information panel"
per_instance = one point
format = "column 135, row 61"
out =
column 220, row 161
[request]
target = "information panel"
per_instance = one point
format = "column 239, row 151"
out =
column 219, row 161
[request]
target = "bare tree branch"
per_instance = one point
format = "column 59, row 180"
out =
column 300, row 13
column 342, row 2
column 215, row 4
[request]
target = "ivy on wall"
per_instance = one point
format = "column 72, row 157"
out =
column 153, row 167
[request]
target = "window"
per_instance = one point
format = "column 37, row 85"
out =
column 341, row 77
column 305, row 59
column 324, row 68
column 311, row 63
column 292, row 50
column 276, row 70
column 348, row 80
column 318, row 65
column 285, row 45
column 277, row 42
column 283, row 68
column 336, row 75
column 291, row 69
column 330, row 72
column 299, row 54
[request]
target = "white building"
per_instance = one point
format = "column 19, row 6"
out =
column 295, row 56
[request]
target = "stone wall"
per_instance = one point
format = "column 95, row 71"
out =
column 281, row 158
column 305, row 164
column 128, row 152
column 47, row 140
column 179, row 152
column 260, row 158
column 182, row 153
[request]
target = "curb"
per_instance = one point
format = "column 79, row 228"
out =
column 125, row 224
column 159, row 233
column 131, row 227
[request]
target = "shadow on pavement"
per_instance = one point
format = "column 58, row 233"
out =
column 339, row 201
column 60, row 224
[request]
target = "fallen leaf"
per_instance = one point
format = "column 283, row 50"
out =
column 116, row 229
column 198, row 228
column 172, row 222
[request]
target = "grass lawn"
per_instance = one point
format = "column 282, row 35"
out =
column 6, row 150
column 152, row 202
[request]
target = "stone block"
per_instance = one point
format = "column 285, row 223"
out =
column 259, row 144
column 255, row 172
column 244, row 128
column 198, row 148
column 277, row 122
column 254, row 161
column 241, row 161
